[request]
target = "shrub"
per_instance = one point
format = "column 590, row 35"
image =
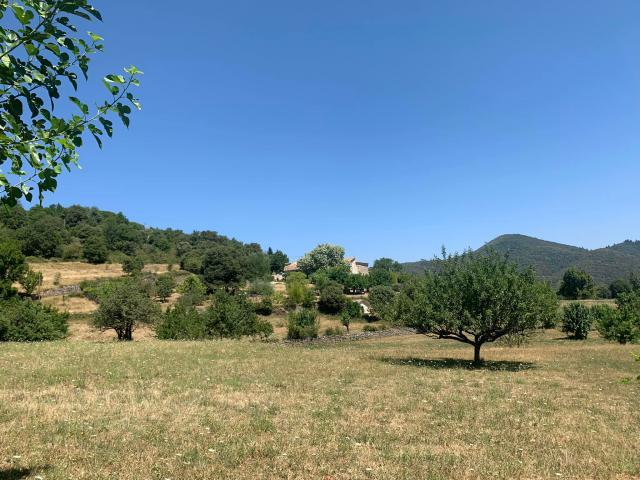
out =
column 182, row 322
column 297, row 289
column 333, row 331
column 164, row 287
column 265, row 307
column 612, row 324
column 369, row 328
column 233, row 316
column 577, row 284
column 260, row 287
column 30, row 281
column 303, row 324
column 132, row 265
column 28, row 321
column 577, row 320
column 193, row 290
column 332, row 300
column 124, row 304
column 381, row 299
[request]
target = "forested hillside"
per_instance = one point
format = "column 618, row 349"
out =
column 98, row 236
column 552, row 259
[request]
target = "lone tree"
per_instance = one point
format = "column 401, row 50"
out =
column 13, row 266
column 577, row 284
column 124, row 306
column 41, row 53
column 476, row 299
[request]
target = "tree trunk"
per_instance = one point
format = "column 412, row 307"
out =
column 476, row 353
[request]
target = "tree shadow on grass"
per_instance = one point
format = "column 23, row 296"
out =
column 458, row 364
column 14, row 473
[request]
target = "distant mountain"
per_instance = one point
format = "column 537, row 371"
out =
column 552, row 259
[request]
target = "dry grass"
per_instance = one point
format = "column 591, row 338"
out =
column 72, row 273
column 590, row 303
column 73, row 304
column 403, row 407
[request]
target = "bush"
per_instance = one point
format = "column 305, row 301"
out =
column 303, row 324
column 124, row 304
column 28, row 321
column 333, row 331
column 193, row 290
column 577, row 321
column 233, row 316
column 381, row 299
column 612, row 324
column 164, row 287
column 369, row 328
column 332, row 300
column 265, row 307
column 132, row 265
column 182, row 322
column 12, row 267
column 260, row 287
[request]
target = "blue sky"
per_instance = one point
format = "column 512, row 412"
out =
column 390, row 128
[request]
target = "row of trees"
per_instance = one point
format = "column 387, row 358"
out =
column 577, row 284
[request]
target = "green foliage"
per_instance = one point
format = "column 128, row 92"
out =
column 193, row 291
column 387, row 264
column 31, row 281
column 42, row 237
column 132, row 265
column 233, row 316
column 379, row 276
column 95, row 250
column 476, row 298
column 298, row 292
column 303, row 324
column 332, row 300
column 181, row 322
column 12, row 267
column 577, row 284
column 264, row 307
column 619, row 287
column 621, row 325
column 577, row 320
column 356, row 283
column 381, row 299
column 40, row 52
column 350, row 312
column 323, row 256
column 278, row 260
column 29, row 321
column 222, row 266
column 165, row 284
column 334, row 331
column 260, row 287
column 123, row 305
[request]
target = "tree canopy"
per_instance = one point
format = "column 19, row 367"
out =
column 323, row 256
column 42, row 59
column 475, row 299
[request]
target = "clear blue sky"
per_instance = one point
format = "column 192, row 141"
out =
column 390, row 128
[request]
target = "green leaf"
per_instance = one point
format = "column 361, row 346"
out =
column 95, row 37
column 6, row 60
column 82, row 106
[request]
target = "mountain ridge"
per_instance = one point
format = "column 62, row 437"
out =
column 552, row 259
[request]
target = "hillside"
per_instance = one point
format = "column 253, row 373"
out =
column 552, row 259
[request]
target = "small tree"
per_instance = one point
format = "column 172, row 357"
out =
column 298, row 292
column 132, row 265
column 232, row 316
column 351, row 311
column 577, row 284
column 618, row 324
column 475, row 299
column 193, row 291
column 31, row 281
column 223, row 266
column 95, row 249
column 12, row 267
column 323, row 256
column 577, row 320
column 332, row 300
column 165, row 284
column 123, row 307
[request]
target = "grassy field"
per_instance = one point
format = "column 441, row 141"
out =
column 403, row 407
